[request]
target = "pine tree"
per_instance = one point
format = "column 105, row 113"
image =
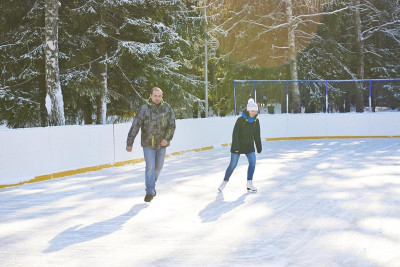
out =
column 140, row 44
column 22, row 84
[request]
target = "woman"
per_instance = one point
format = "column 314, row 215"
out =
column 245, row 133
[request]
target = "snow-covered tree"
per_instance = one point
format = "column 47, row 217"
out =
column 165, row 50
column 138, row 45
column 112, row 53
column 54, row 98
column 360, row 41
column 22, row 84
column 267, row 33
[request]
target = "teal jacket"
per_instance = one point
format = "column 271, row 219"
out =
column 156, row 123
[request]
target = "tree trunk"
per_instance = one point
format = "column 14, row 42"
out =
column 102, row 98
column 294, row 87
column 43, row 91
column 87, row 110
column 360, row 56
column 54, row 98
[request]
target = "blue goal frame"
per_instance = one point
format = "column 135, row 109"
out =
column 326, row 82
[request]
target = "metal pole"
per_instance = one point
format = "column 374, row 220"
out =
column 234, row 97
column 255, row 92
column 287, row 97
column 370, row 96
column 205, row 60
column 326, row 97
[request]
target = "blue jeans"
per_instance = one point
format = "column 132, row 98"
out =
column 251, row 157
column 154, row 159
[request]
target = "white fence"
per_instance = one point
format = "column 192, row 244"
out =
column 43, row 153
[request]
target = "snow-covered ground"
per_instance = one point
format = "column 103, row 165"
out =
column 319, row 203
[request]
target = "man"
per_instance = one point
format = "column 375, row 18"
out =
column 157, row 121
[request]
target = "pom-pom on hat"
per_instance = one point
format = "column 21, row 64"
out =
column 251, row 105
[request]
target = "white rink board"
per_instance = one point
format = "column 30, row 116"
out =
column 32, row 152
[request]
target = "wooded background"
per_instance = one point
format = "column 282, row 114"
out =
column 87, row 62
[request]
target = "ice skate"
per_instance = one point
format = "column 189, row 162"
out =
column 250, row 186
column 222, row 186
column 148, row 197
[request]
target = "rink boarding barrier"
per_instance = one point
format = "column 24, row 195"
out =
column 103, row 146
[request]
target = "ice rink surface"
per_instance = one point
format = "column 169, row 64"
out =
column 328, row 202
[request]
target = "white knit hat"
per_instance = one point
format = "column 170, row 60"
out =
column 251, row 105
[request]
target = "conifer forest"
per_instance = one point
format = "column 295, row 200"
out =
column 67, row 62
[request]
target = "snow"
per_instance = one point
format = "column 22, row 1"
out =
column 48, row 104
column 51, row 45
column 136, row 22
column 141, row 48
column 330, row 202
